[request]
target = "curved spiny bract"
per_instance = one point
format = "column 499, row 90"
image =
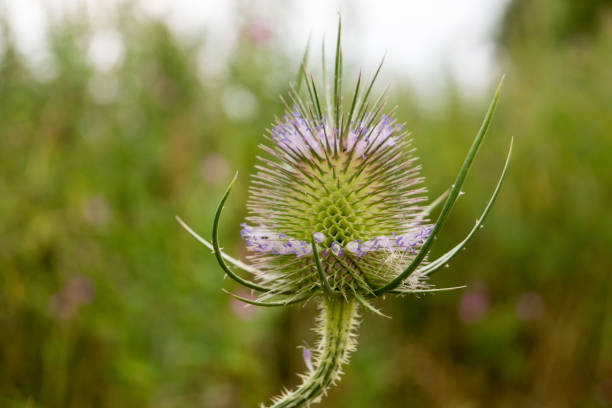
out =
column 452, row 197
column 217, row 250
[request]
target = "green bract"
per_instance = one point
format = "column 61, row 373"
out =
column 336, row 212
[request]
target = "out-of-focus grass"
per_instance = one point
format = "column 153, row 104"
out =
column 105, row 301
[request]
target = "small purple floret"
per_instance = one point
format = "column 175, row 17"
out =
column 262, row 239
column 294, row 134
column 307, row 356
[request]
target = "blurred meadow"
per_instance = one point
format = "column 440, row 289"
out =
column 106, row 302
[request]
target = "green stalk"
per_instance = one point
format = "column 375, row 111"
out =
column 337, row 324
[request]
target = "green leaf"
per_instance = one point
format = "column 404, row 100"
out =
column 316, row 101
column 215, row 243
column 233, row 261
column 432, row 290
column 338, row 76
column 427, row 210
column 367, row 92
column 450, row 201
column 442, row 260
column 368, row 306
column 350, row 116
column 267, row 304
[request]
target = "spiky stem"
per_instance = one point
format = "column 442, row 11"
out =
column 337, row 324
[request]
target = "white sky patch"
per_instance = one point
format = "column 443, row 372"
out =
column 426, row 41
column 105, row 50
column 28, row 23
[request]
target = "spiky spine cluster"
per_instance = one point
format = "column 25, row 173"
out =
column 357, row 189
column 337, row 327
column 346, row 176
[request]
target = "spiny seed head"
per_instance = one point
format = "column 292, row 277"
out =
column 350, row 183
column 335, row 203
column 335, row 209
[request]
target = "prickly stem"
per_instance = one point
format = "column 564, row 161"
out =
column 337, row 324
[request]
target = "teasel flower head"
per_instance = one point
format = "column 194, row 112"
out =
column 338, row 212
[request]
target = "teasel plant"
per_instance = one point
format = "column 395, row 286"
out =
column 338, row 215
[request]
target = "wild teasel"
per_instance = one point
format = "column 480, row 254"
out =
column 337, row 214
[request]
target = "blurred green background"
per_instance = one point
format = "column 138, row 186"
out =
column 106, row 302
